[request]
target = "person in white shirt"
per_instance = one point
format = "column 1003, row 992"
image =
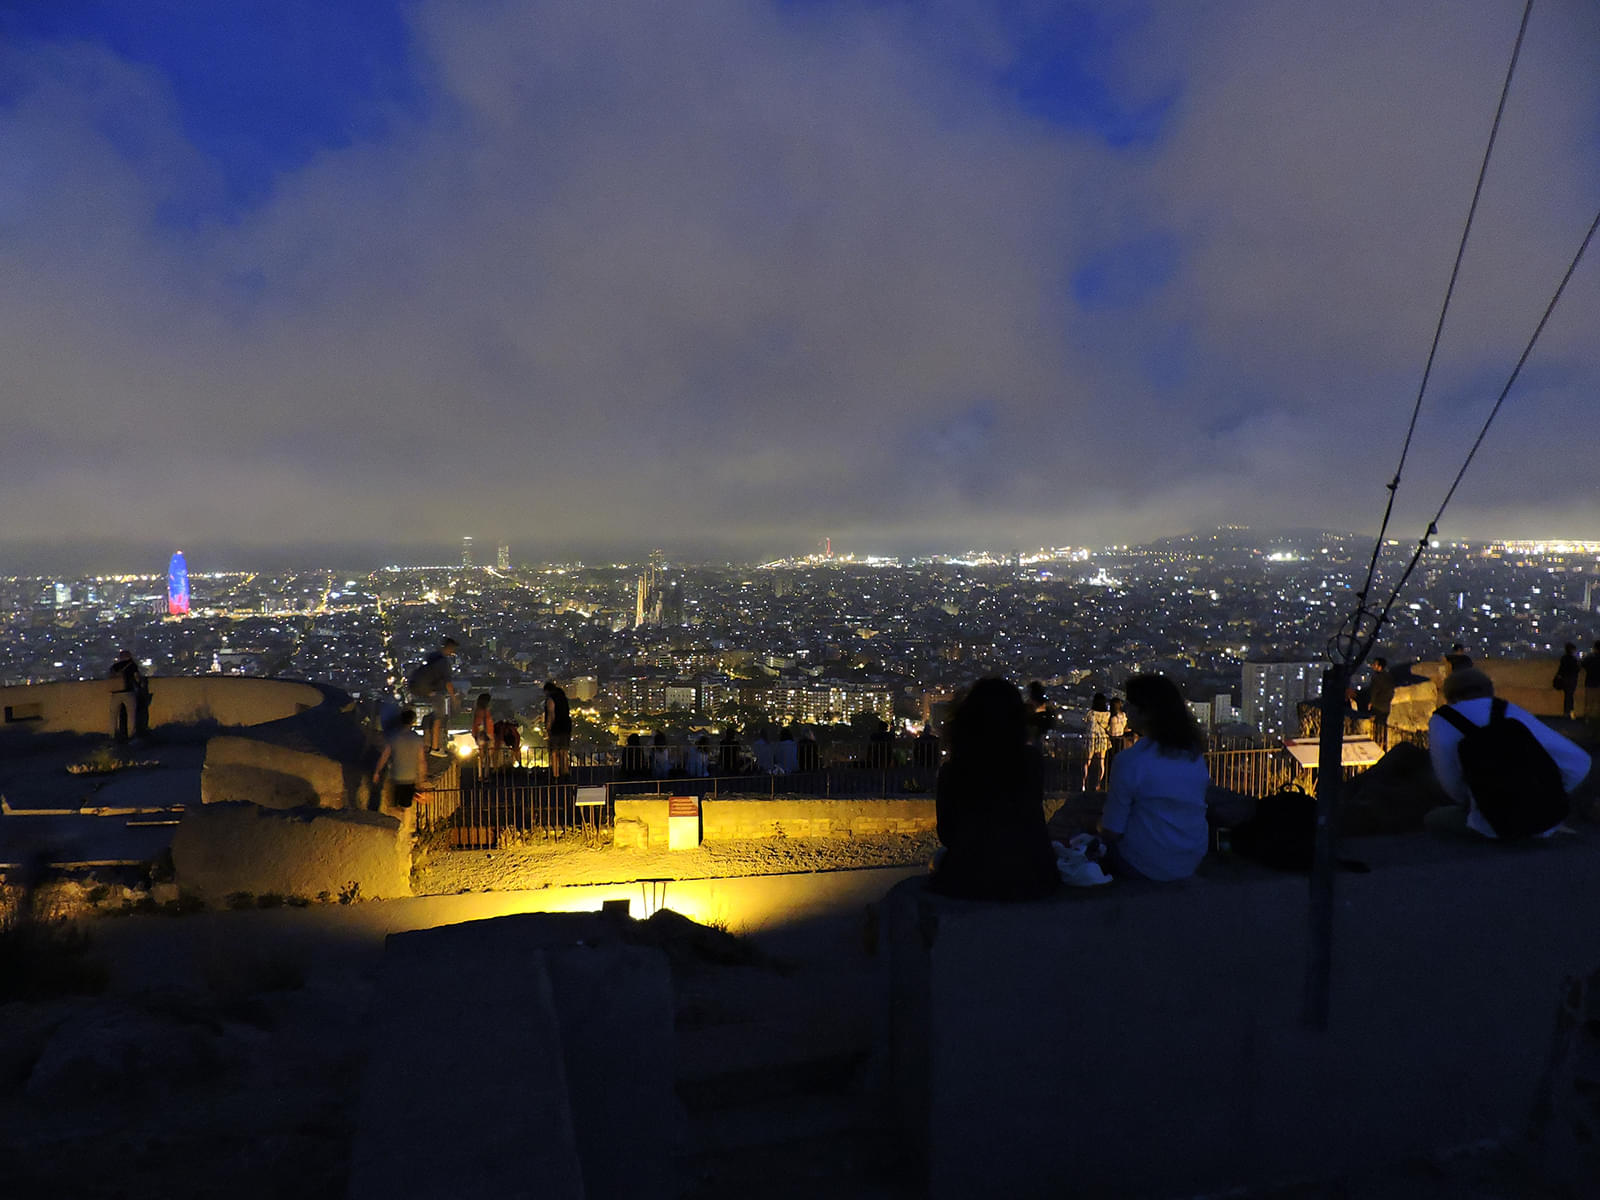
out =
column 1471, row 693
column 1155, row 813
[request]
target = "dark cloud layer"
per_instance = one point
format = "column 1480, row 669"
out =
column 743, row 275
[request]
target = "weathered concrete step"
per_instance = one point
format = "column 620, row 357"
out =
column 775, row 1122
column 850, row 1164
column 725, row 1065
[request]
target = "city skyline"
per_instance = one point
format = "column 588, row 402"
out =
column 734, row 277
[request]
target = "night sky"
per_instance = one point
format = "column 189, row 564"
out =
column 589, row 277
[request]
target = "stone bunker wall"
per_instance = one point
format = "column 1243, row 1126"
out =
column 273, row 776
column 85, row 706
column 223, row 849
column 1145, row 1039
column 642, row 823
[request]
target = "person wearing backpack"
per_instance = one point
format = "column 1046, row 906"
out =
column 1508, row 773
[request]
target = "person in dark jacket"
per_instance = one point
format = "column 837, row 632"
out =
column 990, row 802
column 1567, row 679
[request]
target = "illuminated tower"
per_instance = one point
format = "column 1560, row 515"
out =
column 502, row 558
column 178, row 586
column 466, row 551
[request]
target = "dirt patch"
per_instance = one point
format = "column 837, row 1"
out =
column 568, row 861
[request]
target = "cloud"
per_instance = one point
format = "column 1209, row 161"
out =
column 612, row 275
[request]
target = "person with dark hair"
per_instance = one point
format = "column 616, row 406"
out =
column 557, row 729
column 1566, row 680
column 786, row 754
column 697, row 763
column 130, row 697
column 1041, row 713
column 431, row 684
column 1469, row 706
column 1155, row 813
column 1590, row 665
column 1381, row 700
column 1094, row 762
column 990, row 802
column 660, row 756
column 483, row 731
column 404, row 755
column 1458, row 658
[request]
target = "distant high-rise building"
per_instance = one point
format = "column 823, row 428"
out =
column 1272, row 690
column 177, row 586
column 502, row 558
column 466, row 551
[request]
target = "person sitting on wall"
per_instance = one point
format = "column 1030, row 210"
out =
column 1469, row 696
column 990, row 802
column 1155, row 812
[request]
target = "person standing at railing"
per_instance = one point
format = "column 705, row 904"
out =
column 1155, row 813
column 660, row 756
column 483, row 732
column 697, row 762
column 1381, row 700
column 786, row 755
column 558, row 730
column 1591, row 683
column 1566, row 680
column 1094, row 763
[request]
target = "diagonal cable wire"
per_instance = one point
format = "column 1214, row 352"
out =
column 1438, row 330
column 1433, row 525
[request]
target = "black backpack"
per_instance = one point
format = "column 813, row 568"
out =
column 1283, row 834
column 1514, row 781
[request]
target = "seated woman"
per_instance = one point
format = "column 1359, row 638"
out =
column 1155, row 813
column 990, row 802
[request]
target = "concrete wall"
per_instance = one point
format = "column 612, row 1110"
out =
column 643, row 823
column 85, row 707
column 1137, row 1040
column 243, row 769
column 220, row 849
column 1523, row 681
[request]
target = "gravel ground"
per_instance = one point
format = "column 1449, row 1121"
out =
column 569, row 861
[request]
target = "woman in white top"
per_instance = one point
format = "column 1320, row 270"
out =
column 1155, row 813
column 1099, row 742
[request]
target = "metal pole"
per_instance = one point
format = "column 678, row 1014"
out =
column 1330, row 774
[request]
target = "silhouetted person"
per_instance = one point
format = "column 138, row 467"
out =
column 558, row 729
column 431, row 684
column 990, row 802
column 1041, row 713
column 786, row 755
column 660, row 756
column 633, row 757
column 1567, row 672
column 1382, row 699
column 1458, row 658
column 130, row 697
column 925, row 750
column 728, row 752
column 697, row 763
column 880, row 747
column 405, row 756
column 1591, row 683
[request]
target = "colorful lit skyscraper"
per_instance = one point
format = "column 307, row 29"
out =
column 178, row 586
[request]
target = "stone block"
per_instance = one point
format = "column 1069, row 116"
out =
column 244, row 769
column 220, row 849
column 630, row 834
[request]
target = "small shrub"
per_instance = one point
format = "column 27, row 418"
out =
column 350, row 892
column 97, row 893
column 269, row 900
column 238, row 900
column 296, row 901
column 324, row 897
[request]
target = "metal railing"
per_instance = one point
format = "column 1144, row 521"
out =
column 475, row 805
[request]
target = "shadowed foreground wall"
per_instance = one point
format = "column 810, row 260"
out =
column 1136, row 1040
